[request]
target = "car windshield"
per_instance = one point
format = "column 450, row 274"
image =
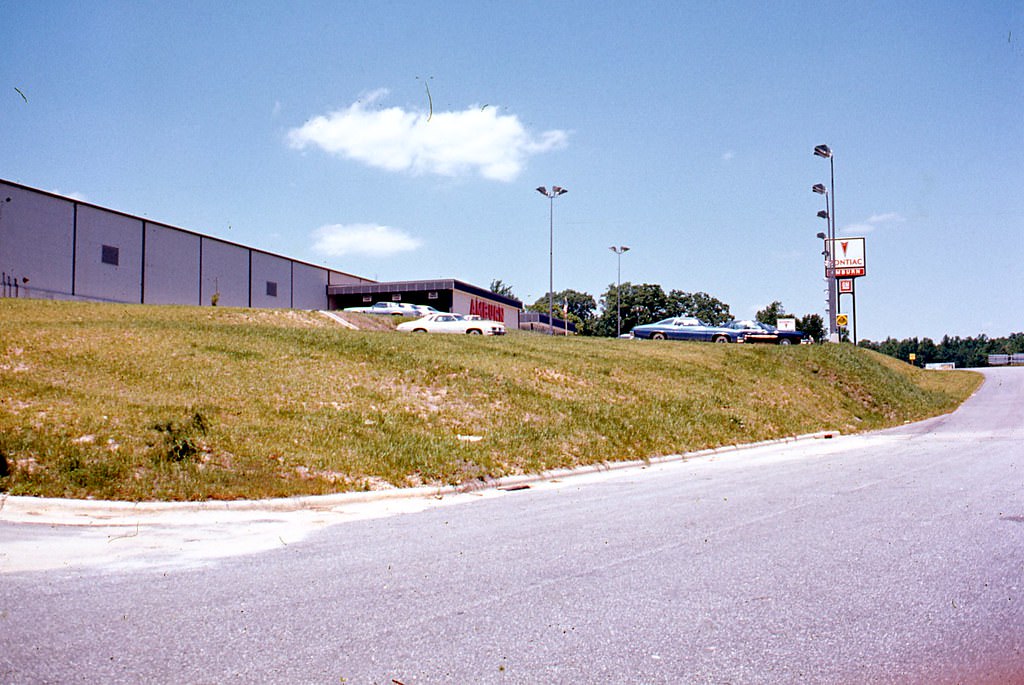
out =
column 747, row 325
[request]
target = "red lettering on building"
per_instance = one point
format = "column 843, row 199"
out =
column 487, row 310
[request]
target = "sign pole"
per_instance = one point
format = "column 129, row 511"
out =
column 850, row 264
column 847, row 286
column 853, row 294
column 839, row 308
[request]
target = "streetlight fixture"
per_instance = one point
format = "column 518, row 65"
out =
column 830, row 309
column 618, row 287
column 825, row 152
column 551, row 195
column 825, row 252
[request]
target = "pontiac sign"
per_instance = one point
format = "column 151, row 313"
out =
column 847, row 258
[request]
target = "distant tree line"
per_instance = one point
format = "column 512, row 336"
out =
column 964, row 352
column 648, row 302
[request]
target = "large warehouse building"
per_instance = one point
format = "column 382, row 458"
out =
column 57, row 247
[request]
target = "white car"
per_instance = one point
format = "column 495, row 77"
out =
column 452, row 323
column 394, row 309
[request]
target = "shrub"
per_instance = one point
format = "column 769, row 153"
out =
column 183, row 440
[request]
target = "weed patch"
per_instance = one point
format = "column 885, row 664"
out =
column 184, row 440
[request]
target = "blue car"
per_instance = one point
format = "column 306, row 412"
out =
column 757, row 332
column 685, row 328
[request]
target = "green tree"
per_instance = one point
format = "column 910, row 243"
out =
column 927, row 351
column 708, row 309
column 770, row 314
column 648, row 302
column 500, row 287
column 964, row 352
column 580, row 308
column 813, row 326
column 637, row 304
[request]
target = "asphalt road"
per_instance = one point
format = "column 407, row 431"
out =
column 894, row 557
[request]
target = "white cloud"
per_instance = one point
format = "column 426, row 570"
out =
column 370, row 240
column 728, row 156
column 888, row 218
column 72, row 195
column 856, row 229
column 477, row 139
column 873, row 222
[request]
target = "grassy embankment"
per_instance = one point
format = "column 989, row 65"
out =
column 145, row 402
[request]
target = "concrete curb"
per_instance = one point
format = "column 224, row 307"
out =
column 338, row 319
column 57, row 511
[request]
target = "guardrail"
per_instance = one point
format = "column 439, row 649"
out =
column 1017, row 358
column 531, row 321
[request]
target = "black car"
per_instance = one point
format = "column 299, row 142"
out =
column 757, row 332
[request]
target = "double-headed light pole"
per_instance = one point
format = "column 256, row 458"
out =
column 829, row 215
column 551, row 195
column 618, row 250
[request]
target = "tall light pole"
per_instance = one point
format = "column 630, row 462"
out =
column 551, row 195
column 830, row 312
column 825, row 253
column 618, row 287
column 825, row 152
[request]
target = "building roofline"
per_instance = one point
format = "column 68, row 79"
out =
column 146, row 220
column 421, row 285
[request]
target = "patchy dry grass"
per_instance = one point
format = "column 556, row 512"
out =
column 144, row 402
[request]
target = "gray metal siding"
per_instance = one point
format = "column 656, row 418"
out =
column 225, row 271
column 57, row 247
column 172, row 266
column 36, row 241
column 277, row 270
column 94, row 279
column 309, row 287
column 338, row 278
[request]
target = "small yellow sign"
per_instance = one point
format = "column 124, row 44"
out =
column 913, row 357
column 842, row 319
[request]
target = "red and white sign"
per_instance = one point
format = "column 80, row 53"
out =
column 847, row 258
column 845, row 285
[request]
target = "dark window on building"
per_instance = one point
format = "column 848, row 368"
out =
column 110, row 255
column 271, row 289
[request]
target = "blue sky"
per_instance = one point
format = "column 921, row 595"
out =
column 403, row 140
